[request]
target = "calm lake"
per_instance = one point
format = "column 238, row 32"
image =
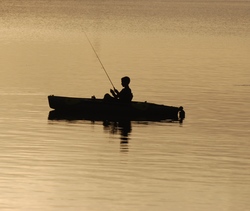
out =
column 193, row 54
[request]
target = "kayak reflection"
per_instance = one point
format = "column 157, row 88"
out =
column 112, row 125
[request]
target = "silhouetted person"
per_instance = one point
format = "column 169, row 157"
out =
column 125, row 95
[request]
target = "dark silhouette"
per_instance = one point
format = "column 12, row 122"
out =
column 125, row 95
column 125, row 130
column 122, row 126
column 181, row 114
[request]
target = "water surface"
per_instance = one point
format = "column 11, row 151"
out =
column 189, row 53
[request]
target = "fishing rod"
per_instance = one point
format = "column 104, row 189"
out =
column 99, row 59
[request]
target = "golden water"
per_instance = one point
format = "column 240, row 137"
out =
column 194, row 54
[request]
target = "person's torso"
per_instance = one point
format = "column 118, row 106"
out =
column 126, row 95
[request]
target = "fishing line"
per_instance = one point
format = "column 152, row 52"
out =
column 99, row 59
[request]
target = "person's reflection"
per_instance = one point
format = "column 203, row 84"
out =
column 125, row 130
column 123, row 127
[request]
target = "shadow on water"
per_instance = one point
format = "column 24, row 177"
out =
column 72, row 116
column 119, row 127
column 122, row 127
column 114, row 126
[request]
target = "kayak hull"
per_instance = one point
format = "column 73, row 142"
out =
column 87, row 108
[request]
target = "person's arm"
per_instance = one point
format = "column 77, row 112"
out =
column 115, row 93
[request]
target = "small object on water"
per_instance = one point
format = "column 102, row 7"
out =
column 181, row 114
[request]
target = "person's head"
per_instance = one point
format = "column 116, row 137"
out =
column 125, row 81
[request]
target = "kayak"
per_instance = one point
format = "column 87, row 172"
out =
column 100, row 109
